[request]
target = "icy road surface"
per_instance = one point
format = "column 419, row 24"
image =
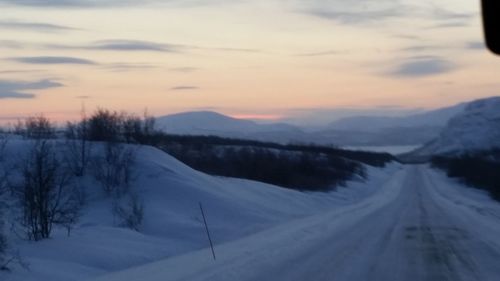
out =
column 417, row 227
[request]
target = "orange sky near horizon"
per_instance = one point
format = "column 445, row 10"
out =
column 249, row 59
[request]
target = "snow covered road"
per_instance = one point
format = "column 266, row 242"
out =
column 417, row 227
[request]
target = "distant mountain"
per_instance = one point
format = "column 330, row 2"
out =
column 416, row 129
column 212, row 123
column 391, row 136
column 433, row 118
column 407, row 130
column 476, row 128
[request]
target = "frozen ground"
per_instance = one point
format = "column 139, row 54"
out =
column 173, row 225
column 418, row 226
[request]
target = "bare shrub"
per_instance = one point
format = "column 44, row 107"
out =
column 18, row 128
column 130, row 213
column 113, row 126
column 77, row 147
column 39, row 127
column 3, row 205
column 104, row 125
column 3, row 145
column 114, row 169
column 3, row 230
column 45, row 192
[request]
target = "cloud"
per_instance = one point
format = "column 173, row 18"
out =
column 184, row 69
column 450, row 19
column 421, row 48
column 407, row 36
column 133, row 45
column 17, row 89
column 358, row 17
column 369, row 12
column 11, row 44
column 319, row 54
column 124, row 67
column 66, row 3
column 184, row 88
column 20, row 71
column 34, row 26
column 129, row 45
column 449, row 24
column 423, row 66
column 105, row 3
column 120, row 45
column 52, row 60
column 449, row 15
column 477, row 45
column 347, row 12
column 225, row 49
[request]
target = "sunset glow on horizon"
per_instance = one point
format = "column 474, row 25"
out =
column 262, row 59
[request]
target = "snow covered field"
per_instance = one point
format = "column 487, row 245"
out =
column 404, row 223
column 419, row 226
column 173, row 225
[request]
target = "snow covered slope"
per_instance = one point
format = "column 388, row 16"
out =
column 477, row 128
column 419, row 226
column 172, row 225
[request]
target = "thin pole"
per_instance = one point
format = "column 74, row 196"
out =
column 208, row 232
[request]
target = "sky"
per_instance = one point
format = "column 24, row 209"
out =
column 261, row 59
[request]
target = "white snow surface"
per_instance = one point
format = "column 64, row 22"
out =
column 419, row 225
column 477, row 128
column 171, row 192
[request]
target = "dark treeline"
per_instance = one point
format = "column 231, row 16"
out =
column 197, row 142
column 302, row 167
column 45, row 180
column 112, row 126
column 297, row 166
column 481, row 170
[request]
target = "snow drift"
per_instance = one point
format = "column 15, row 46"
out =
column 171, row 192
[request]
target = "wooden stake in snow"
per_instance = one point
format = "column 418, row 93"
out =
column 208, row 232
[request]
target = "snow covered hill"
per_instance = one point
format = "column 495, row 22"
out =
column 476, row 128
column 415, row 129
column 433, row 118
column 212, row 123
column 419, row 226
column 172, row 225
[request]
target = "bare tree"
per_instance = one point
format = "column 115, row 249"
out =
column 4, row 139
column 18, row 128
column 5, row 258
column 131, row 128
column 148, row 129
column 39, row 127
column 104, row 125
column 78, row 148
column 114, row 169
column 45, row 192
column 149, row 124
column 3, row 234
column 130, row 212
